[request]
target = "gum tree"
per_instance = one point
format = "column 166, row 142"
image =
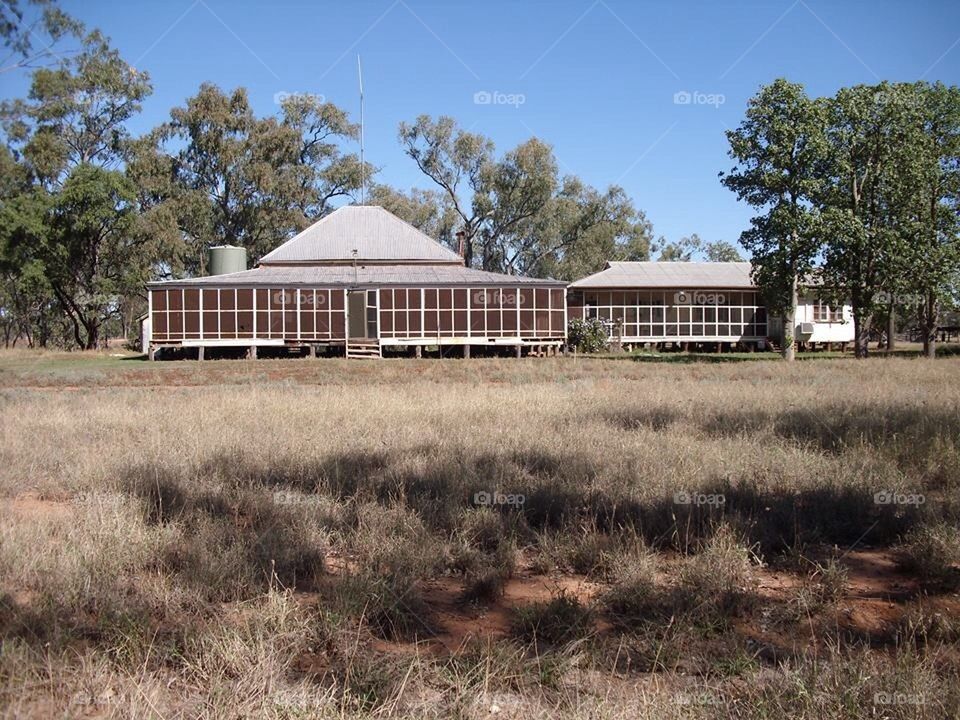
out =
column 876, row 139
column 516, row 213
column 68, row 233
column 779, row 151
column 216, row 173
column 934, row 255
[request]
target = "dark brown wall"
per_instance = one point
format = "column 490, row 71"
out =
column 662, row 313
column 230, row 313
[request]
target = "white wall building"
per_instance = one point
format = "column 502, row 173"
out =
column 693, row 303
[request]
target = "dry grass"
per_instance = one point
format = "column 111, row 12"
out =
column 238, row 539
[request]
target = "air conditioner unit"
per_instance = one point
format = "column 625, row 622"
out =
column 806, row 328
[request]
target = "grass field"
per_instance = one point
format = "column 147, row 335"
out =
column 595, row 538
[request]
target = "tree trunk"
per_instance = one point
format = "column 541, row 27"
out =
column 790, row 324
column 930, row 327
column 891, row 325
column 861, row 335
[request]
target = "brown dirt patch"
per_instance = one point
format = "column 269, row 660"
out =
column 31, row 506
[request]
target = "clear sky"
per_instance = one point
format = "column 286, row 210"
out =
column 602, row 81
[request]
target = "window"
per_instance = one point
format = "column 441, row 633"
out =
column 823, row 313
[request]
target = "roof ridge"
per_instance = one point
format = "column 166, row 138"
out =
column 413, row 227
column 308, row 227
column 367, row 232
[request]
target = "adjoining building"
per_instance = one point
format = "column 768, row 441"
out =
column 713, row 304
column 361, row 279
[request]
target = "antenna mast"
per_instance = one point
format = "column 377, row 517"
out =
column 363, row 180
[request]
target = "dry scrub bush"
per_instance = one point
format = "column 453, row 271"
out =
column 562, row 619
column 718, row 582
column 933, row 553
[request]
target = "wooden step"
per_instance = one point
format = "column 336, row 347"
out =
column 363, row 349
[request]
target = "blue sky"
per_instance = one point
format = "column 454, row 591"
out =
column 599, row 81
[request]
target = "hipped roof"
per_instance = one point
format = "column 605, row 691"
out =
column 374, row 233
column 692, row 275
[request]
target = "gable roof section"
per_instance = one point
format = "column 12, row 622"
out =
column 377, row 235
column 692, row 275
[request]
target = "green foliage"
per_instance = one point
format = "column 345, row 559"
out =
column 587, row 336
column 22, row 35
column 215, row 173
column 779, row 149
column 517, row 215
column 693, row 248
column 868, row 182
column 69, row 241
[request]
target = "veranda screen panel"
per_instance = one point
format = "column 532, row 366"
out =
column 675, row 314
column 438, row 313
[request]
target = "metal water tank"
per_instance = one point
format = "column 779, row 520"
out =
column 226, row 259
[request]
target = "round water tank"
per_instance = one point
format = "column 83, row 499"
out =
column 226, row 259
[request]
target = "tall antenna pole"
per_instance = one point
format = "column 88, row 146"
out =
column 363, row 179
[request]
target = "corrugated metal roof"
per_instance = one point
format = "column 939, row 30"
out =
column 375, row 275
column 375, row 233
column 670, row 275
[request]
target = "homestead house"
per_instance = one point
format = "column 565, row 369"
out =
column 359, row 280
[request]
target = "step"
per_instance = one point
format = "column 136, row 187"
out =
column 364, row 350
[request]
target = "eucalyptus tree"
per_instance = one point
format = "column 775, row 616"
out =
column 216, row 173
column 581, row 228
column 30, row 37
column 693, row 247
column 933, row 259
column 875, row 135
column 70, row 231
column 515, row 213
column 779, row 150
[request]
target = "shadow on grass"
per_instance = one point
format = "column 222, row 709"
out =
column 234, row 543
column 918, row 439
column 561, row 492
